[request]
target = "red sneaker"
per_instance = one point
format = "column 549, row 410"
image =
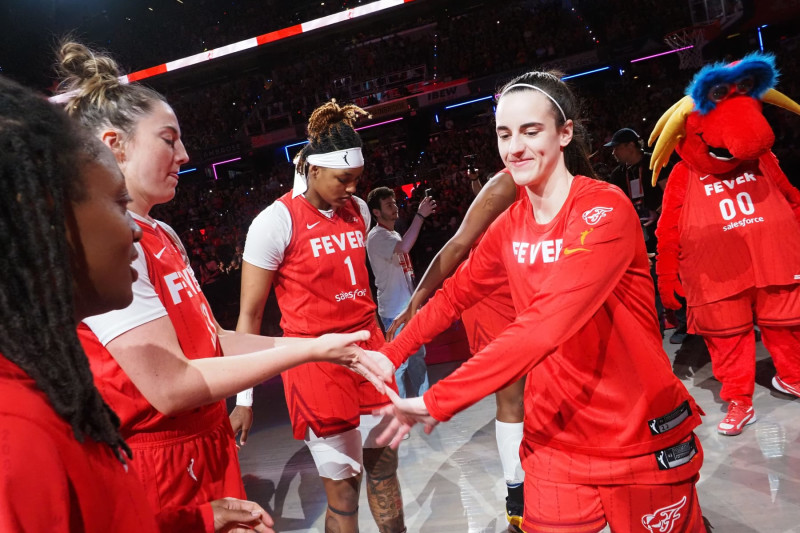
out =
column 738, row 417
column 782, row 386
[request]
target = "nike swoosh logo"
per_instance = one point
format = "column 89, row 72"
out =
column 704, row 177
column 309, row 226
column 568, row 251
column 158, row 255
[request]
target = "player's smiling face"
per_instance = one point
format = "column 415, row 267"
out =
column 529, row 141
column 101, row 235
column 331, row 188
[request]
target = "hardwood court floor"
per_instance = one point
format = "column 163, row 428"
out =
column 451, row 479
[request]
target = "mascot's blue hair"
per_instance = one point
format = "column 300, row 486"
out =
column 758, row 65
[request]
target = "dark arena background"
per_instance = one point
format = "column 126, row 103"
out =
column 243, row 77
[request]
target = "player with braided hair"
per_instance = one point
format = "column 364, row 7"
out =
column 311, row 245
column 158, row 362
column 68, row 245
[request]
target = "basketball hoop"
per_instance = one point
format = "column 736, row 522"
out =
column 689, row 42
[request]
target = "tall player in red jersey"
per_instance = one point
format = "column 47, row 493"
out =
column 157, row 362
column 310, row 244
column 596, row 449
column 68, row 246
column 483, row 322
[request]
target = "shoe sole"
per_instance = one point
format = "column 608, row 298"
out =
column 734, row 432
column 780, row 388
column 514, row 523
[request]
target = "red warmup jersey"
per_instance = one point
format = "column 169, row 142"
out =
column 190, row 314
column 599, row 382
column 51, row 482
column 322, row 286
column 736, row 232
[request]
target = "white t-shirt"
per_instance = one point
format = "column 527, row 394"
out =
column 393, row 271
column 146, row 305
column 271, row 232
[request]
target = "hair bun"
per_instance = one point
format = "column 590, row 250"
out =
column 88, row 73
column 329, row 114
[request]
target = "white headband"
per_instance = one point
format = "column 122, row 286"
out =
column 563, row 116
column 350, row 158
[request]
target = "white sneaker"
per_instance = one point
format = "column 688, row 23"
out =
column 784, row 387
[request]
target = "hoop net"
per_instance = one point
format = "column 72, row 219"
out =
column 688, row 43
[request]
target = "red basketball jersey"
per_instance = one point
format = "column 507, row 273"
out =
column 190, row 314
column 736, row 232
column 322, row 286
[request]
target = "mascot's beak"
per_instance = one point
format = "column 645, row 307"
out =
column 669, row 130
column 779, row 99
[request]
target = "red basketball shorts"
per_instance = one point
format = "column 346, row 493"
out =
column 330, row 398
column 192, row 464
column 768, row 306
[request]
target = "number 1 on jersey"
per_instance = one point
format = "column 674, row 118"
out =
column 349, row 264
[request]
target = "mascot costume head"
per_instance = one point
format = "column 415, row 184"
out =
column 719, row 124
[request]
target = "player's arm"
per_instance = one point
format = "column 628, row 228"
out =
column 494, row 198
column 39, row 501
column 151, row 356
column 669, row 237
column 426, row 207
column 570, row 295
column 480, row 275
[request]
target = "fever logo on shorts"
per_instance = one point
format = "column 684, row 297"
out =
column 663, row 520
column 595, row 214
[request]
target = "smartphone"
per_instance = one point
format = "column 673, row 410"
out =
column 428, row 192
column 471, row 163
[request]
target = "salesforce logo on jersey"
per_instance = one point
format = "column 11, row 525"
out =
column 350, row 295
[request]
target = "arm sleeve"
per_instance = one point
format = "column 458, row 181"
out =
column 667, row 230
column 480, row 275
column 145, row 307
column 268, row 237
column 198, row 518
column 567, row 299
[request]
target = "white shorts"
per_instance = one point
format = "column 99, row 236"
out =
column 341, row 456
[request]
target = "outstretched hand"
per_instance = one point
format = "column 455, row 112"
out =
column 405, row 412
column 240, row 516
column 340, row 348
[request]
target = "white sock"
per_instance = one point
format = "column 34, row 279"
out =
column 509, row 438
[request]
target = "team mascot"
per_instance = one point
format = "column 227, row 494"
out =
column 729, row 236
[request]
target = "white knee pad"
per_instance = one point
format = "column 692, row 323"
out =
column 340, row 456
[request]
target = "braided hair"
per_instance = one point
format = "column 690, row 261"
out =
column 576, row 156
column 41, row 156
column 97, row 98
column 331, row 128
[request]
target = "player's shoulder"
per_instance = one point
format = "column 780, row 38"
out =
column 595, row 199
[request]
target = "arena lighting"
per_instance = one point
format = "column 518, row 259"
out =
column 469, row 102
column 260, row 40
column 214, row 165
column 578, row 75
column 760, row 39
column 379, row 124
column 187, row 170
column 286, row 149
column 662, row 53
